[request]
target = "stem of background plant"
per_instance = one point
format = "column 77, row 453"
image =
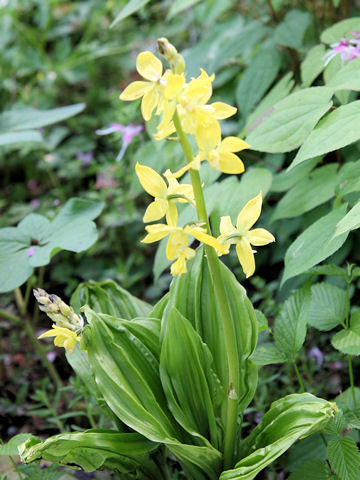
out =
column 225, row 314
column 351, row 378
column 24, row 321
column 39, row 284
column 301, row 383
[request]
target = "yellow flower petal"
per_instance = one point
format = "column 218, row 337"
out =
column 174, row 84
column 246, row 257
column 208, row 137
column 179, row 267
column 222, row 110
column 151, row 181
column 233, row 144
column 249, row 214
column 260, row 236
column 135, row 90
column 155, row 211
column 171, row 213
column 157, row 232
column 63, row 337
column 149, row 66
column 204, row 237
column 230, row 163
column 149, row 103
column 226, row 226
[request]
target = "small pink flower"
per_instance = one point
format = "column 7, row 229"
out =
column 347, row 49
column 129, row 132
column 31, row 252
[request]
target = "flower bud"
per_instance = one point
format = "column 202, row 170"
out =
column 167, row 50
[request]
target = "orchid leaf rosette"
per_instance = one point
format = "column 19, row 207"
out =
column 182, row 375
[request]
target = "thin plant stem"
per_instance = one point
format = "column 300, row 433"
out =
column 16, row 468
column 300, row 380
column 29, row 284
column 351, row 377
column 10, row 316
column 225, row 314
column 39, row 284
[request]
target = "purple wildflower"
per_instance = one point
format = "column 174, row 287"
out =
column 129, row 132
column 85, row 158
column 316, row 355
column 31, row 252
column 34, row 203
column 347, row 49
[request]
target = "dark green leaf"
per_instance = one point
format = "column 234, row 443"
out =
column 291, row 31
column 344, row 458
column 327, row 307
column 312, row 470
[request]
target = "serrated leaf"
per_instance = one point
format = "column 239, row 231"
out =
column 256, row 79
column 346, row 400
column 347, row 78
column 291, row 323
column 263, row 323
column 347, row 340
column 321, row 182
column 268, row 354
column 312, row 470
column 344, row 458
column 334, row 131
column 11, row 447
column 130, row 7
column 350, row 221
column 289, row 122
column 312, row 65
column 340, row 30
column 314, row 245
column 336, row 424
column 291, row 31
column 327, row 306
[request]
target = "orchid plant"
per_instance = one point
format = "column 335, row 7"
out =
column 177, row 378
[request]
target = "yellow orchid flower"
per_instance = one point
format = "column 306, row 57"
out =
column 63, row 337
column 165, row 196
column 242, row 236
column 219, row 153
column 177, row 246
column 150, row 68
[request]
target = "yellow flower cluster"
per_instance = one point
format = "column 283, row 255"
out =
column 175, row 101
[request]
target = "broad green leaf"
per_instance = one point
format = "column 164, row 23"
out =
column 287, row 179
column 349, row 222
column 124, row 359
column 20, row 137
column 344, row 458
column 341, row 29
column 192, row 388
column 291, row 31
column 263, row 324
column 347, row 341
column 30, row 118
column 179, row 5
column 277, row 93
column 312, row 470
column 336, row 425
column 108, row 297
column 347, row 78
column 308, row 193
column 194, row 297
column 72, row 229
column 312, row 65
column 327, row 306
column 91, row 450
column 11, row 447
column 129, row 8
column 329, row 269
column 334, row 131
column 346, row 400
column 256, row 79
column 314, row 245
column 288, row 123
column 309, row 448
column 268, row 354
column 290, row 418
column 291, row 322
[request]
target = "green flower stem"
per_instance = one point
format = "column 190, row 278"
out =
column 300, row 380
column 225, row 314
column 351, row 377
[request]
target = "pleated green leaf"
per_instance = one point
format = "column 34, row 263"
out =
column 124, row 357
column 191, row 386
column 289, row 419
column 108, row 297
column 327, row 306
column 91, row 450
column 194, row 297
